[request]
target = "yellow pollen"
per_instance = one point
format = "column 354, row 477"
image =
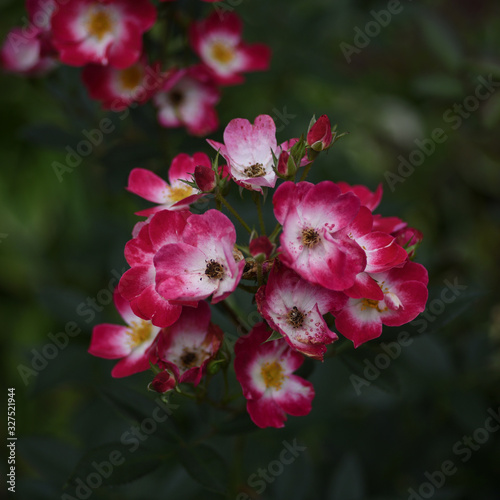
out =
column 140, row 332
column 214, row 270
column 99, row 24
column 189, row 358
column 296, row 317
column 310, row 238
column 256, row 170
column 130, row 78
column 374, row 304
column 222, row 53
column 272, row 373
column 180, row 192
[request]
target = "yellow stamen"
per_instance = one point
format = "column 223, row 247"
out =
column 222, row 53
column 180, row 192
column 272, row 373
column 130, row 78
column 140, row 332
column 374, row 304
column 99, row 24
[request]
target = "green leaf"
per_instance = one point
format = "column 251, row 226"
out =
column 237, row 425
column 49, row 136
column 206, row 466
column 441, row 40
column 348, row 482
column 274, row 336
column 136, row 408
column 364, row 359
column 114, row 464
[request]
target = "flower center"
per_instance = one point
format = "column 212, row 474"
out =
column 176, row 97
column 140, row 332
column 189, row 359
column 130, row 78
column 214, row 270
column 256, row 170
column 222, row 53
column 373, row 304
column 99, row 24
column 295, row 317
column 272, row 373
column 310, row 237
column 180, row 192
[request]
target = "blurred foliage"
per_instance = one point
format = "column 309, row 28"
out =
column 61, row 242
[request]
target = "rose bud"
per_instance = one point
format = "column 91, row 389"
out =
column 320, row 135
column 204, row 178
column 163, row 382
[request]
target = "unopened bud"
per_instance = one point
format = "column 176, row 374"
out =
column 163, row 382
column 320, row 134
column 204, row 178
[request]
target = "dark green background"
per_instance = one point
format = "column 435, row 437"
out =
column 64, row 239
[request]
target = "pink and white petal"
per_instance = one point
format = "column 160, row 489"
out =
column 358, row 324
column 182, row 167
column 68, row 23
column 336, row 263
column 382, row 252
column 288, row 195
column 167, row 227
column 209, row 231
column 256, row 57
column 123, row 307
column 148, row 185
column 180, row 273
column 295, row 396
column 238, row 139
column 126, row 49
column 263, row 137
column 367, row 198
column 361, row 225
column 413, row 297
column 135, row 280
column 154, row 307
column 324, row 204
column 193, row 323
column 229, row 24
column 143, row 14
column 364, row 287
column 110, row 341
column 139, row 251
column 137, row 361
column 265, row 412
column 388, row 224
column 411, row 271
column 218, row 146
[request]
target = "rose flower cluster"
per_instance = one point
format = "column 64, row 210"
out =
column 106, row 38
column 330, row 267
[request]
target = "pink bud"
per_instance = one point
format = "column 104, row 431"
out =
column 408, row 238
column 163, row 382
column 261, row 245
column 204, row 178
column 283, row 163
column 320, row 136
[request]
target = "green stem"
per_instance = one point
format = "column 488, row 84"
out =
column 258, row 202
column 275, row 232
column 248, row 288
column 306, row 171
column 234, row 212
column 233, row 315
